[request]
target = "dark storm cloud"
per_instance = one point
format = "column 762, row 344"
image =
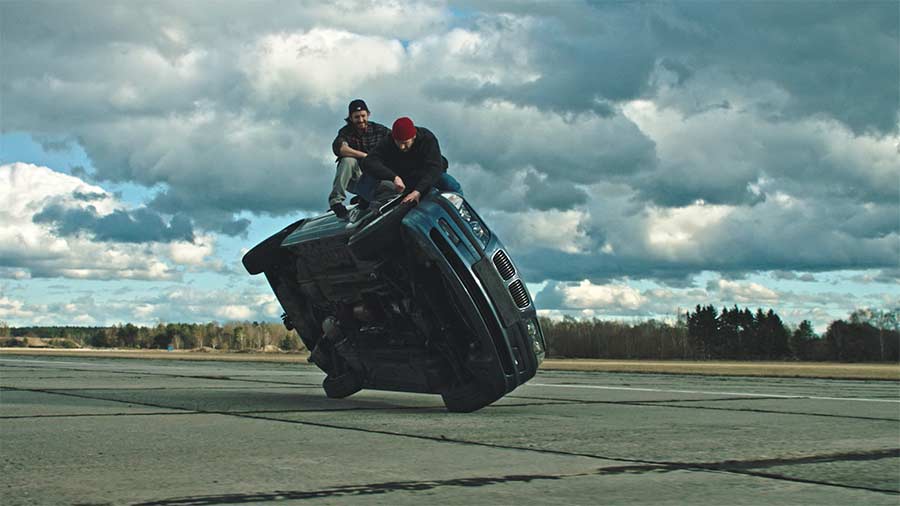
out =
column 710, row 51
column 545, row 193
column 519, row 191
column 133, row 82
column 734, row 158
column 80, row 172
column 779, row 235
column 586, row 59
column 211, row 219
column 814, row 52
column 837, row 58
column 544, row 264
column 575, row 149
column 793, row 276
column 55, row 144
column 531, row 94
column 891, row 276
column 137, row 226
column 602, row 268
column 88, row 197
column 681, row 184
column 765, row 99
column 806, row 47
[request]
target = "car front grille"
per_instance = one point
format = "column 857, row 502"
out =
column 504, row 265
column 478, row 297
column 519, row 293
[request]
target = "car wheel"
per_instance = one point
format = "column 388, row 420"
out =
column 342, row 386
column 380, row 234
column 467, row 398
column 266, row 253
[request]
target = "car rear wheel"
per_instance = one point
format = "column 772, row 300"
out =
column 342, row 386
column 267, row 253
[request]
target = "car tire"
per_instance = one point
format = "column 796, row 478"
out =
column 467, row 398
column 266, row 253
column 342, row 386
column 382, row 233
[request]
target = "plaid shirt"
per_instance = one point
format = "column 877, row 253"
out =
column 364, row 142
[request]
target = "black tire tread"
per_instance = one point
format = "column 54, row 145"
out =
column 342, row 386
column 264, row 254
column 467, row 398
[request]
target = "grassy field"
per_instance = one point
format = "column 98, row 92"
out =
column 715, row 368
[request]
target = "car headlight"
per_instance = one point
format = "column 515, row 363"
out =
column 536, row 339
column 454, row 199
column 478, row 228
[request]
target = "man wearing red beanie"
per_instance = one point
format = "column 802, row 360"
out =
column 411, row 158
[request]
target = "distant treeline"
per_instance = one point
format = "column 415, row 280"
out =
column 732, row 334
column 228, row 337
column 701, row 334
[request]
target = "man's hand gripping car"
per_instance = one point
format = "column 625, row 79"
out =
column 414, row 299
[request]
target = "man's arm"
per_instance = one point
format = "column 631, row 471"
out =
column 346, row 150
column 375, row 165
column 341, row 146
column 337, row 142
column 432, row 163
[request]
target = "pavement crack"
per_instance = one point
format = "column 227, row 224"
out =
column 160, row 389
column 359, row 490
column 769, row 412
column 165, row 375
column 809, row 459
column 740, row 467
column 671, row 404
column 88, row 415
column 717, row 399
column 746, row 467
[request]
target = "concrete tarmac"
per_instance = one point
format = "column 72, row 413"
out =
column 91, row 431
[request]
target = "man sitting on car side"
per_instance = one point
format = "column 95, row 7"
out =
column 353, row 143
column 410, row 158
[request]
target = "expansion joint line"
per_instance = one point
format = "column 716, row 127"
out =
column 729, row 467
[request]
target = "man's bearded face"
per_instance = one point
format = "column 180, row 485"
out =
column 360, row 120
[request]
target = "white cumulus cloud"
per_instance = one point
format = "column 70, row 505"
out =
column 560, row 230
column 680, row 232
column 321, row 65
column 745, row 292
column 30, row 248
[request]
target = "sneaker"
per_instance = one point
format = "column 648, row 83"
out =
column 362, row 204
column 339, row 210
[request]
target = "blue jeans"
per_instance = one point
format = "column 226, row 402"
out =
column 368, row 187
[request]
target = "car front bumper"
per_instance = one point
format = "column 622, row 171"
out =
column 497, row 308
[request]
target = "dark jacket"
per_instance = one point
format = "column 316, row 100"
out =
column 365, row 142
column 420, row 167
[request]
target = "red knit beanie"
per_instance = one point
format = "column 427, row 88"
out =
column 403, row 129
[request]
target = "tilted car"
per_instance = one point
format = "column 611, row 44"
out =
column 414, row 299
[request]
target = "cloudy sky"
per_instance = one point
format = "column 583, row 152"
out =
column 637, row 158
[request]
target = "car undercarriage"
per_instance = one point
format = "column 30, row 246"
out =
column 395, row 300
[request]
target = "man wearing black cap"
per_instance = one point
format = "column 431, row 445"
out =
column 353, row 143
column 411, row 160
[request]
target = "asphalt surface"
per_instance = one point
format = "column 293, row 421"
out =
column 93, row 431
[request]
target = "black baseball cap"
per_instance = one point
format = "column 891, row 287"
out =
column 357, row 105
